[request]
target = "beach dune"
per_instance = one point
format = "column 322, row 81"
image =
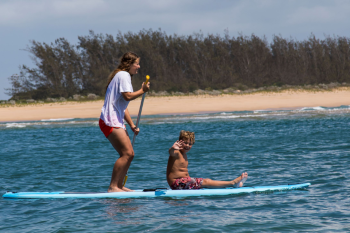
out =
column 182, row 105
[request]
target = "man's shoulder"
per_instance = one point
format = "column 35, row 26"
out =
column 174, row 152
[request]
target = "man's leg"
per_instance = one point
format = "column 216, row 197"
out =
column 238, row 182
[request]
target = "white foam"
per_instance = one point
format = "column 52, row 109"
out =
column 16, row 125
column 258, row 111
column 319, row 108
column 226, row 116
column 157, row 123
column 57, row 119
column 312, row 108
column 45, row 123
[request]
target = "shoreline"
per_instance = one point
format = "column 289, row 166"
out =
column 179, row 105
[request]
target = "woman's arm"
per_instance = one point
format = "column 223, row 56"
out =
column 128, row 119
column 133, row 95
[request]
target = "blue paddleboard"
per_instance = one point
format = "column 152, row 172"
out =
column 155, row 192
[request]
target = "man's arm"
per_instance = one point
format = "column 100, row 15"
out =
column 175, row 149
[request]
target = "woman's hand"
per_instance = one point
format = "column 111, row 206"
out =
column 135, row 130
column 145, row 87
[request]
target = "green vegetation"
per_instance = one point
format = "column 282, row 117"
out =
column 180, row 65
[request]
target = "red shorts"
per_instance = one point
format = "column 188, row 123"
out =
column 106, row 130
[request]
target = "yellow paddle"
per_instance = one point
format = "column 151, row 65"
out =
column 137, row 125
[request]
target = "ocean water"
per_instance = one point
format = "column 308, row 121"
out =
column 274, row 147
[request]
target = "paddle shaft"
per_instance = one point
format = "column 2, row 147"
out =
column 138, row 117
column 137, row 125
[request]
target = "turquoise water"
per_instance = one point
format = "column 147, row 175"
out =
column 274, row 147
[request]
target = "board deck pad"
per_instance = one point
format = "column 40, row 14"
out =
column 151, row 193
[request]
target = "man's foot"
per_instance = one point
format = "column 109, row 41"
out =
column 239, row 181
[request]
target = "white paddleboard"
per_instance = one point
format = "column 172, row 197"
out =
column 151, row 193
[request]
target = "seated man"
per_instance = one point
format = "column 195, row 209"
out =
column 177, row 172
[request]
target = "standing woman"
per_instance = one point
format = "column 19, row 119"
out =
column 119, row 92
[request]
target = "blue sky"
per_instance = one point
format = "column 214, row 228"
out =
column 44, row 21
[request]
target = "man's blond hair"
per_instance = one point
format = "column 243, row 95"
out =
column 187, row 136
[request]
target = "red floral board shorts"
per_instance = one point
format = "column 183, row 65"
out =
column 187, row 183
column 106, row 130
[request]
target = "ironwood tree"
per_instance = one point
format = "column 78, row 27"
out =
column 181, row 63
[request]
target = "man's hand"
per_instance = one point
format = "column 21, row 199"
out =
column 178, row 145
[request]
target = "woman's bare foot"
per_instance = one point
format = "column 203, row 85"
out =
column 115, row 189
column 127, row 190
column 239, row 181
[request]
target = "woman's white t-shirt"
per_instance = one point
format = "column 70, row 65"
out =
column 114, row 107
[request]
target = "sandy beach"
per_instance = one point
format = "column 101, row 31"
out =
column 182, row 105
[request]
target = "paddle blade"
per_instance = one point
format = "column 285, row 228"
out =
column 125, row 179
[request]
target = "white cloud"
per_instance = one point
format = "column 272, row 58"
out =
column 77, row 7
column 18, row 13
column 334, row 11
column 157, row 5
column 316, row 14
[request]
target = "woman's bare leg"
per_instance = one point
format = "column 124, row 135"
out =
column 121, row 143
column 238, row 182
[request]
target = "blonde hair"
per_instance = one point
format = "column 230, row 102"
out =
column 125, row 63
column 187, row 135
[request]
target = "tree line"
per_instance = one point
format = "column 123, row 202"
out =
column 180, row 63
